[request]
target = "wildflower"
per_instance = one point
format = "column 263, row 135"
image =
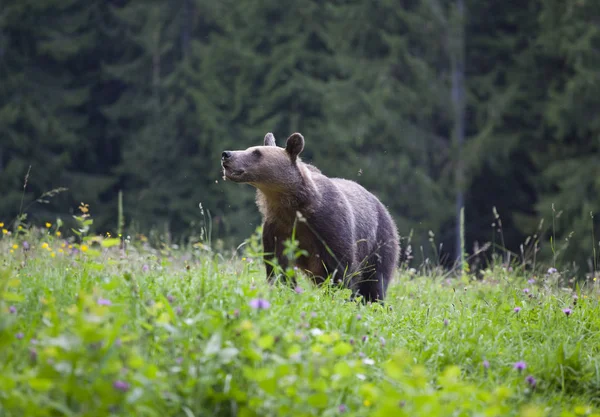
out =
column 58, row 233
column 259, row 303
column 358, row 317
column 48, row 225
column 44, row 245
column 179, row 310
column 365, row 338
column 351, row 341
column 531, row 381
column 446, row 322
column 20, row 335
column 519, row 366
column 179, row 360
column 121, row 385
column 486, row 364
column 12, row 309
column 567, row 311
column 367, row 403
column 552, row 271
column 4, row 231
column 104, row 302
column 382, row 341
column 517, row 309
column 170, row 298
column 26, row 245
column 1, row 224
column 526, row 290
column 342, row 408
column 52, row 254
column 145, row 268
column 298, row 290
column 15, row 246
column 531, row 280
column 83, row 248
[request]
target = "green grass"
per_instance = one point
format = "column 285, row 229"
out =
column 181, row 338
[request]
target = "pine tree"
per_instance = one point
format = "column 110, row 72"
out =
column 40, row 121
column 568, row 161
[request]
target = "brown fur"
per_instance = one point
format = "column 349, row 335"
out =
column 346, row 231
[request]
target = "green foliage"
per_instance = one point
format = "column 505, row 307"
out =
column 136, row 331
column 103, row 97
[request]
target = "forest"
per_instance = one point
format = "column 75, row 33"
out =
column 443, row 108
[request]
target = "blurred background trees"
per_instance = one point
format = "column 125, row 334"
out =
column 434, row 105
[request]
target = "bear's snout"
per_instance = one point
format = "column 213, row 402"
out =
column 225, row 155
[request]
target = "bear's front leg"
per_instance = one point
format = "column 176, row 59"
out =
column 273, row 249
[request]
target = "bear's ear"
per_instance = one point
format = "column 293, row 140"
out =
column 269, row 139
column 294, row 145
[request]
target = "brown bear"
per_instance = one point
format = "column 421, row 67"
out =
column 345, row 231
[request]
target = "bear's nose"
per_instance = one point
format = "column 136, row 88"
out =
column 226, row 155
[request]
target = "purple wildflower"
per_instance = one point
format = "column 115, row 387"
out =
column 298, row 290
column 552, row 271
column 179, row 360
column 351, row 341
column 12, row 309
column 531, row 381
column 26, row 245
column 382, row 341
column 259, row 303
column 342, row 408
column 365, row 338
column 358, row 317
column 20, row 335
column 121, row 385
column 446, row 322
column 517, row 309
column 170, row 298
column 567, row 311
column 179, row 311
column 531, row 280
column 145, row 268
column 486, row 364
column 32, row 354
column 526, row 290
column 313, row 314
column 519, row 366
column 104, row 302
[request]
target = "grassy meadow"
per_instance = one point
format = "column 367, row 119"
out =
column 89, row 327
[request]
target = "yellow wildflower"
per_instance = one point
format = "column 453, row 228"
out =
column 1, row 224
column 84, row 248
column 58, row 233
column 44, row 245
column 48, row 225
column 70, row 246
column 12, row 251
column 20, row 227
column 15, row 246
column 367, row 403
column 60, row 251
column 4, row 231
column 63, row 245
column 53, row 254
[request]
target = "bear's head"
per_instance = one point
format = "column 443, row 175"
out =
column 267, row 167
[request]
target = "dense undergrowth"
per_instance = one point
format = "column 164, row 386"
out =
column 92, row 329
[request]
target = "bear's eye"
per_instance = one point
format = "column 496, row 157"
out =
column 257, row 153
